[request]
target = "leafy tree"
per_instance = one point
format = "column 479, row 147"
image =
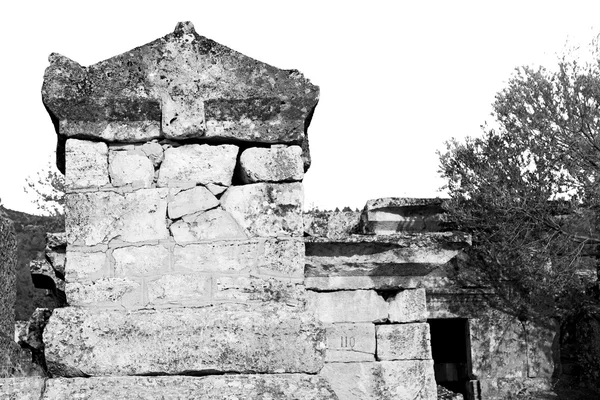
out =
column 528, row 190
column 48, row 189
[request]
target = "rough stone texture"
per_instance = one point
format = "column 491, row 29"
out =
column 141, row 261
column 197, row 164
column 226, row 337
column 191, row 201
column 331, row 224
column 386, row 380
column 244, row 289
column 348, row 306
column 390, row 215
column 122, row 293
column 110, row 131
column 154, row 152
column 194, row 86
column 266, row 209
column 223, row 387
column 22, row 388
column 282, row 258
column 348, row 342
column 408, row 306
column 214, row 224
column 87, row 166
column 275, row 164
column 130, row 168
column 403, row 342
column 8, row 289
column 95, row 218
column 179, row 290
column 44, row 276
column 15, row 361
column 30, row 334
column 86, row 266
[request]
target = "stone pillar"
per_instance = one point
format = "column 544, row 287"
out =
column 184, row 163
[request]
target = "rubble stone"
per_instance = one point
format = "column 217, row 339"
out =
column 266, row 209
column 196, row 164
column 87, row 166
column 154, row 152
column 226, row 337
column 275, row 164
column 191, row 201
column 214, row 224
column 129, row 168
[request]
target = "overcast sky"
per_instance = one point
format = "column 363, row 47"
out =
column 397, row 78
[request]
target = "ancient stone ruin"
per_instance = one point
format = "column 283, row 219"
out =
column 188, row 269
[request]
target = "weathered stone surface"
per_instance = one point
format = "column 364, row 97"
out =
column 141, row 261
column 15, row 361
column 282, row 258
column 275, row 164
column 348, row 306
column 197, row 164
column 214, row 224
column 87, row 164
column 541, row 341
column 154, row 152
column 56, row 240
column 225, row 337
column 30, row 334
column 130, row 168
column 216, row 189
column 44, row 276
column 186, row 289
column 95, row 218
column 331, row 224
column 403, row 342
column 8, row 289
column 86, row 266
column 191, row 201
column 328, row 283
column 395, row 214
column 22, row 388
column 224, row 387
column 111, row 131
column 122, row 293
column 386, row 380
column 348, row 342
column 255, row 289
column 266, row 209
column 408, row 306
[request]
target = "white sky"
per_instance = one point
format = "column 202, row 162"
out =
column 397, row 78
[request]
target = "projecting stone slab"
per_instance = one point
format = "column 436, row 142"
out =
column 275, row 164
column 408, row 306
column 403, row 342
column 348, row 306
column 214, row 224
column 130, row 168
column 401, row 380
column 391, row 215
column 350, row 342
column 141, row 261
column 266, row 209
column 95, row 218
column 196, row 164
column 87, row 164
column 279, row 386
column 22, row 388
column 226, row 337
column 191, row 201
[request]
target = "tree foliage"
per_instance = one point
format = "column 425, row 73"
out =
column 48, row 190
column 529, row 190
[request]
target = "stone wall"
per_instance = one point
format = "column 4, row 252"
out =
column 8, row 289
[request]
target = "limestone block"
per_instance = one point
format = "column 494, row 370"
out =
column 198, row 165
column 392, row 214
column 249, row 288
column 279, row 386
column 266, row 209
column 87, row 164
column 348, row 306
column 403, row 342
column 22, row 388
column 261, row 338
column 130, row 168
column 94, row 218
column 112, row 131
column 282, row 258
column 105, row 292
column 402, row 380
column 86, row 266
column 221, row 256
column 191, row 201
column 331, row 224
column 186, row 289
column 154, row 152
column 141, row 261
column 214, row 224
column 275, row 164
column 408, row 306
column 350, row 342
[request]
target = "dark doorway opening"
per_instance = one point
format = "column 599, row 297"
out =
column 451, row 349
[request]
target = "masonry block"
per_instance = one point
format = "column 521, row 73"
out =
column 144, row 260
column 130, row 168
column 215, row 224
column 21, row 388
column 347, row 342
column 86, row 266
column 106, row 292
column 348, row 306
column 403, row 342
column 181, row 289
column 275, row 164
column 408, row 306
column 87, row 164
column 191, row 201
column 243, row 289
